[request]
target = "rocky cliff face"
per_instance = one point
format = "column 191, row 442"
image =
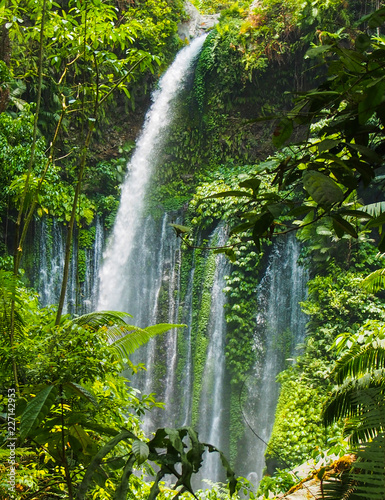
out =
column 196, row 24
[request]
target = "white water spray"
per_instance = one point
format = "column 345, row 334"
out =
column 112, row 283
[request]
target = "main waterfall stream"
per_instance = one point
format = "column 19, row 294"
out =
column 145, row 272
column 113, row 288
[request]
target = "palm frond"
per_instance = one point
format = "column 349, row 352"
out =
column 338, row 488
column 374, row 209
column 374, row 282
column 349, row 399
column 368, row 472
column 360, row 361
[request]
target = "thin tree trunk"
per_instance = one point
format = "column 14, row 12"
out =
column 18, row 248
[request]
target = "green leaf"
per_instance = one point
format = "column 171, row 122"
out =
column 342, row 226
column 376, row 210
column 326, row 145
column 362, row 42
column 97, row 460
column 359, row 214
column 381, row 244
column 373, row 97
column 81, row 392
column 369, row 154
column 283, row 132
column 181, row 229
column 302, row 210
column 318, row 50
column 374, row 282
column 376, row 19
column 323, row 189
column 140, row 450
column 37, row 409
column 251, row 184
column 84, row 439
column 261, row 226
column 241, row 228
column 124, row 486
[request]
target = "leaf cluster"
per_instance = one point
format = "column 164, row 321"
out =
column 317, row 178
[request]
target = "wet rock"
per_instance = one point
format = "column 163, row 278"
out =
column 197, row 23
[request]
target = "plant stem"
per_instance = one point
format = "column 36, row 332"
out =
column 63, row 450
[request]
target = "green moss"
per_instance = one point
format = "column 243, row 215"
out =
column 236, row 418
column 203, row 282
column 82, row 265
column 298, row 428
column 163, row 303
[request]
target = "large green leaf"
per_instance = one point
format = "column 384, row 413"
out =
column 97, row 460
column 372, row 99
column 342, row 226
column 140, row 451
column 37, row 409
column 83, row 438
column 323, row 189
column 283, row 132
column 124, row 485
column 80, row 391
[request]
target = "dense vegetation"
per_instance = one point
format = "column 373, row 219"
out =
column 67, row 70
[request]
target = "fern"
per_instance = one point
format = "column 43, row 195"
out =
column 124, row 338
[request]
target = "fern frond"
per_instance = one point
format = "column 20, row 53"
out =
column 136, row 337
column 124, row 338
column 98, row 319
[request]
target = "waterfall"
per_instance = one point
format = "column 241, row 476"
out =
column 143, row 272
column 128, row 221
column 212, row 404
column 89, row 292
column 281, row 323
column 45, row 266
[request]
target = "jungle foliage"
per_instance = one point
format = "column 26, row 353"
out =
column 62, row 395
column 62, row 63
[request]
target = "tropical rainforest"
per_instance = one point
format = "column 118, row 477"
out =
column 277, row 138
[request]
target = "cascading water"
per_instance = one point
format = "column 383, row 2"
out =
column 140, row 271
column 127, row 225
column 212, row 404
column 93, row 259
column 45, row 269
column 281, row 323
column 142, row 274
